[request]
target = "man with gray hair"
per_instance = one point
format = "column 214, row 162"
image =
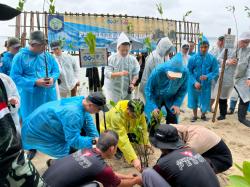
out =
column 87, row 165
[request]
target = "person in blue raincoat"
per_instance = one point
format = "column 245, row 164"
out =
column 55, row 128
column 167, row 86
column 29, row 73
column 203, row 68
column 13, row 45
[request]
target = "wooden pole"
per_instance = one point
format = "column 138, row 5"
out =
column 23, row 37
column 31, row 21
column 221, row 80
column 18, row 24
column 180, row 35
column 38, row 20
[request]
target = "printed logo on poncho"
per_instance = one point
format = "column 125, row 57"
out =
column 190, row 160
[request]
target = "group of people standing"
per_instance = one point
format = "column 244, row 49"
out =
column 194, row 74
column 34, row 80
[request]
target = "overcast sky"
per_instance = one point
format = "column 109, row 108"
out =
column 212, row 15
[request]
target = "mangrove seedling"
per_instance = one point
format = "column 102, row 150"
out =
column 90, row 40
column 232, row 10
column 186, row 15
column 20, row 5
column 241, row 180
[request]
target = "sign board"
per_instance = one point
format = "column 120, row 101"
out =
column 229, row 41
column 99, row 59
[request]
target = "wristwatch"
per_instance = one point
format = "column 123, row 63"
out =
column 93, row 141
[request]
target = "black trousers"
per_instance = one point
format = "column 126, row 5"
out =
column 223, row 107
column 242, row 103
column 170, row 118
column 219, row 157
column 93, row 78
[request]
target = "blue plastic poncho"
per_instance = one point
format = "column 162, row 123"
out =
column 191, row 53
column 54, row 127
column 6, row 62
column 27, row 67
column 199, row 65
column 159, row 89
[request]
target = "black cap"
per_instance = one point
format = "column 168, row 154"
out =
column 221, row 38
column 37, row 37
column 7, row 12
column 55, row 45
column 166, row 137
column 99, row 100
column 13, row 42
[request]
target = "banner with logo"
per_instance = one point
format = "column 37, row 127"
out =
column 71, row 29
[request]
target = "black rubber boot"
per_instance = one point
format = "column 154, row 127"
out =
column 223, row 109
column 242, row 112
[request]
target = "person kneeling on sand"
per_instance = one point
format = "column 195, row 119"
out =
column 178, row 164
column 123, row 119
column 208, row 144
column 88, row 165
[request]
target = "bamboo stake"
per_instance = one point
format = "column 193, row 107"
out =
column 220, row 80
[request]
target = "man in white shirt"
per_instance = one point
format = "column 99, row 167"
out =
column 69, row 71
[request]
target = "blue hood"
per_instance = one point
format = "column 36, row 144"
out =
column 175, row 64
column 201, row 41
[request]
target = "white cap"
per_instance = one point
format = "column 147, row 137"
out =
column 245, row 36
column 122, row 39
column 185, row 42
